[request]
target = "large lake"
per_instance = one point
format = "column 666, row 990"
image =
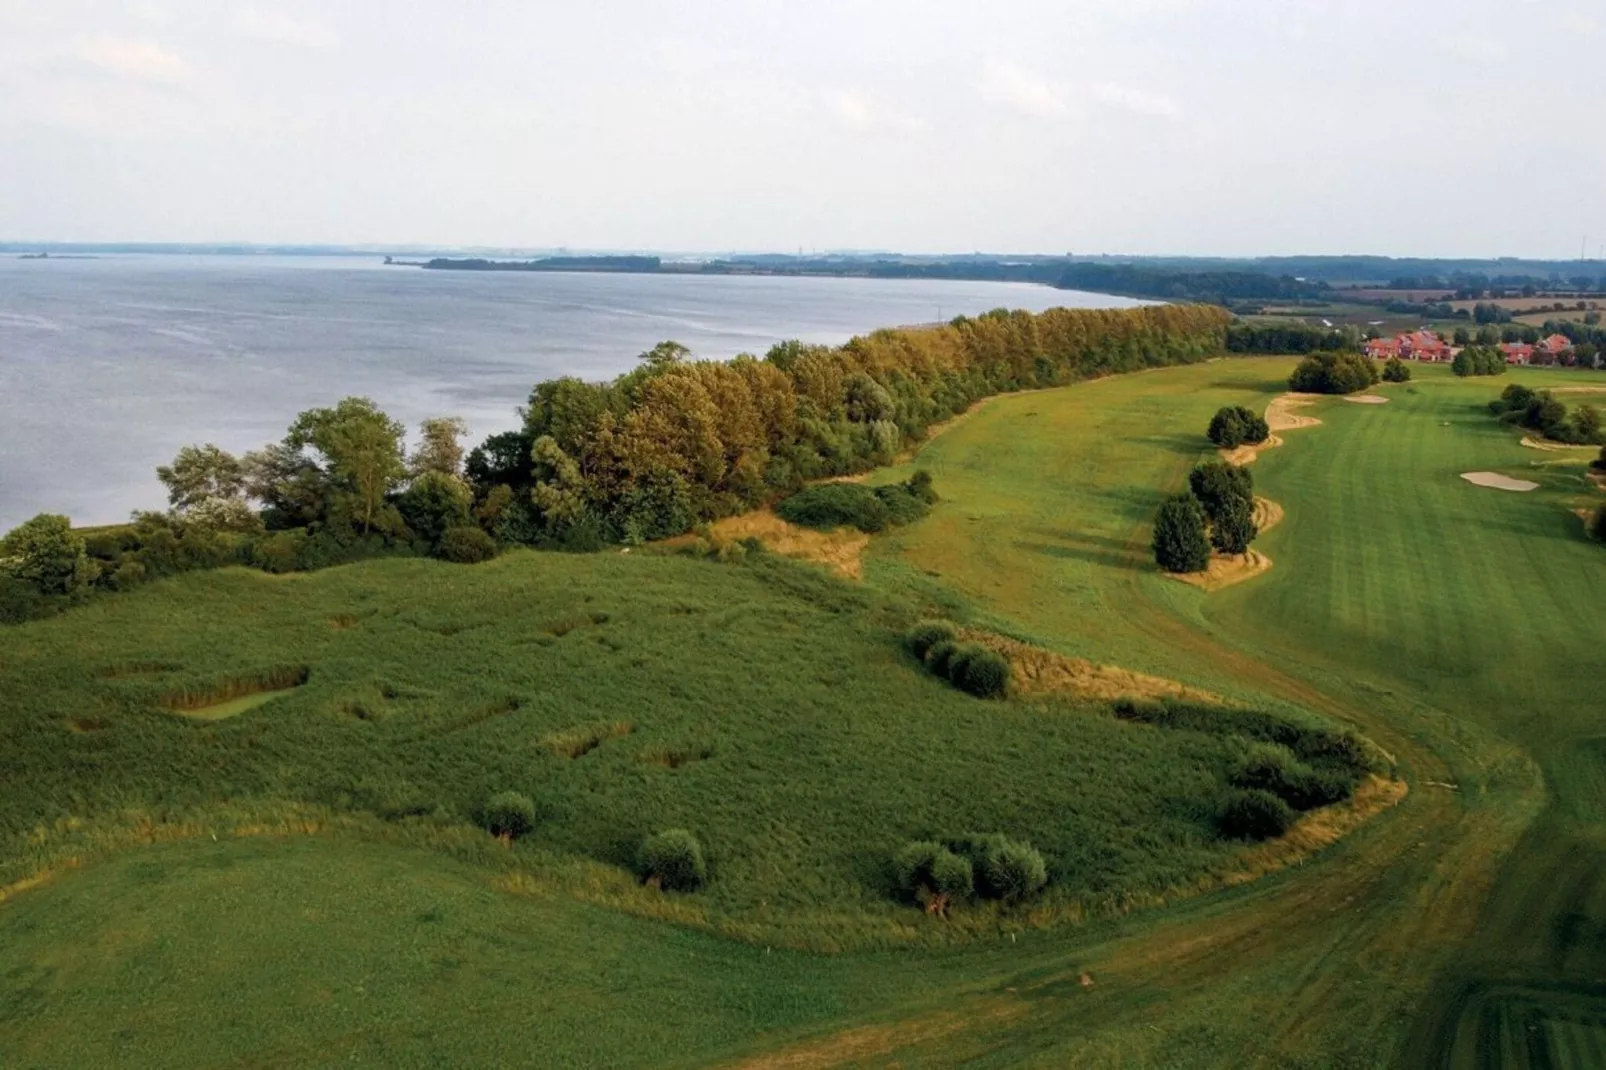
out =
column 108, row 366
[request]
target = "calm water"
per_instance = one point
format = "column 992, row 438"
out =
column 108, row 366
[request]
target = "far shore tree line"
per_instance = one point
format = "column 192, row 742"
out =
column 669, row 445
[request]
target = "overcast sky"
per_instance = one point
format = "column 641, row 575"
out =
column 1407, row 127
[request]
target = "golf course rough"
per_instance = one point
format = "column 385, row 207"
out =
column 339, row 918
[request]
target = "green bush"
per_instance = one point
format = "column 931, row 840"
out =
column 466, row 546
column 1254, row 815
column 673, row 860
column 1234, row 425
column 930, row 874
column 982, row 672
column 509, row 815
column 1274, row 768
column 828, row 506
column 1005, row 869
column 47, row 553
column 939, row 655
column 1181, row 539
column 1233, row 528
column 1333, row 373
column 1216, row 483
column 1396, row 371
column 927, row 634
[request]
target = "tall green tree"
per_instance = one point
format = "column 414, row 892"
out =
column 362, row 449
column 202, row 473
column 47, row 553
column 1181, row 543
column 440, row 449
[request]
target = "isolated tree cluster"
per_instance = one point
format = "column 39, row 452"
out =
column 1479, row 360
column 1216, row 512
column 1235, row 425
column 971, row 667
column 1544, row 413
column 1334, row 373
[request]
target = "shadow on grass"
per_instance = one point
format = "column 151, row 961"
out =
column 1111, row 553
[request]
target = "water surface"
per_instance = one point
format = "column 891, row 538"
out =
column 108, row 366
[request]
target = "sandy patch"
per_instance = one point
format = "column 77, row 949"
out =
column 1553, row 447
column 1578, row 389
column 1037, row 671
column 1498, row 481
column 1366, row 399
column 1267, row 514
column 1280, row 416
column 1225, row 570
column 841, row 551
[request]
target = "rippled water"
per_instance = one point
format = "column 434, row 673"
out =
column 108, row 366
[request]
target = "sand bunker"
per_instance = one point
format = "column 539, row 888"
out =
column 838, row 550
column 1553, row 447
column 1280, row 416
column 1367, row 399
column 1225, row 570
column 1498, row 481
column 1036, row 671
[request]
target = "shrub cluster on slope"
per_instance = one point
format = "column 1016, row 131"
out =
column 968, row 666
column 828, row 506
column 940, row 875
column 1334, row 373
column 1542, row 412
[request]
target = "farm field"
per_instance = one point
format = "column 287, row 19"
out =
column 323, row 829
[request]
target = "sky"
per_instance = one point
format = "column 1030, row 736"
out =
column 1209, row 127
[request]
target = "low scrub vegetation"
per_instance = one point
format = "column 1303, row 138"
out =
column 1255, row 815
column 673, row 861
column 509, row 815
column 941, row 875
column 1334, row 373
column 1542, row 412
column 971, row 667
column 828, row 506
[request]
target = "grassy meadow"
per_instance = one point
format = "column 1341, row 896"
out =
column 297, row 879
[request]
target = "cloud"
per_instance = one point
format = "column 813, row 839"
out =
column 1477, row 49
column 1009, row 86
column 863, row 115
column 284, row 30
column 1133, row 99
column 139, row 61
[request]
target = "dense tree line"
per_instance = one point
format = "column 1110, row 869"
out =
column 1334, row 373
column 1547, row 414
column 1173, row 284
column 1283, row 338
column 672, row 443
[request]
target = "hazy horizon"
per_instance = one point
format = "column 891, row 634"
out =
column 1129, row 127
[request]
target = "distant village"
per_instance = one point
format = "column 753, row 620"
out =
column 1429, row 346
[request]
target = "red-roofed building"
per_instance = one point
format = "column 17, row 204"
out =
column 1556, row 345
column 1425, row 345
column 1383, row 348
column 1517, row 352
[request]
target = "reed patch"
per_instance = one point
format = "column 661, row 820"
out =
column 236, row 694
column 578, row 742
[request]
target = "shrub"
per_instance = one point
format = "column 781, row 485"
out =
column 509, row 815
column 1005, row 869
column 933, row 876
column 47, row 553
column 1254, row 815
column 920, row 486
column 1274, row 768
column 434, row 504
column 940, row 654
column 1397, row 371
column 828, row 506
column 466, row 546
column 1333, row 373
column 1514, row 398
column 1232, row 529
column 1234, row 425
column 1599, row 463
column 128, row 575
column 1180, row 540
column 673, row 860
column 981, row 672
column 927, row 634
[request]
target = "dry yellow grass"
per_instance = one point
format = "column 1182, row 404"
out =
column 841, row 551
column 1036, row 671
column 1554, row 447
column 1318, row 829
column 1225, row 570
column 1267, row 514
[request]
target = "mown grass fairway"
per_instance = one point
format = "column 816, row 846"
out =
column 1456, row 625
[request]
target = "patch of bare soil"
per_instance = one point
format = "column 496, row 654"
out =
column 1036, row 671
column 1267, row 514
column 1366, row 399
column 1552, row 447
column 1498, row 482
column 840, row 551
column 1225, row 570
